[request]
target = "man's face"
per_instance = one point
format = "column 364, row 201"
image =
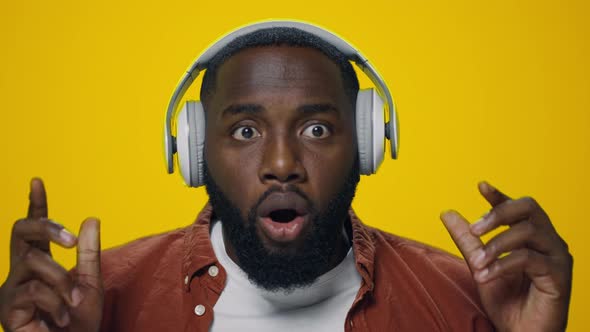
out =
column 281, row 155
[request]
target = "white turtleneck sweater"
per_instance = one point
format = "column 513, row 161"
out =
column 321, row 306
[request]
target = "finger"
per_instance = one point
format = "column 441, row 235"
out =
column 37, row 200
column 469, row 245
column 491, row 194
column 521, row 235
column 88, row 265
column 36, row 295
column 38, row 208
column 38, row 265
column 526, row 261
column 29, row 232
column 506, row 213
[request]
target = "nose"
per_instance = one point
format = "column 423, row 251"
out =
column 281, row 162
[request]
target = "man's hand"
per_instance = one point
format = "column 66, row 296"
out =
column 524, row 273
column 39, row 294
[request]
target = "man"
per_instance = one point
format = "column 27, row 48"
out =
column 279, row 247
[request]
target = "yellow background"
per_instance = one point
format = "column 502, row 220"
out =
column 495, row 90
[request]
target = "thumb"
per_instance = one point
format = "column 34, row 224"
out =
column 88, row 266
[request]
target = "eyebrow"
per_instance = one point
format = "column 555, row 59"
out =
column 235, row 109
column 318, row 108
column 307, row 109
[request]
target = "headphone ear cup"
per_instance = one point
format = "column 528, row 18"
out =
column 190, row 140
column 370, row 130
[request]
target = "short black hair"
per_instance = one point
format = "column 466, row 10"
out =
column 281, row 36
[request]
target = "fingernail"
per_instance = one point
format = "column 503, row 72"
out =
column 479, row 226
column 479, row 258
column 76, row 296
column 445, row 212
column 481, row 275
column 445, row 216
column 66, row 236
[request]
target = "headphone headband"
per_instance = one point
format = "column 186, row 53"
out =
column 340, row 44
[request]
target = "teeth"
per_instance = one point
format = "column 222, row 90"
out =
column 283, row 215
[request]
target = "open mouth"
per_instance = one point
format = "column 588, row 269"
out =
column 283, row 215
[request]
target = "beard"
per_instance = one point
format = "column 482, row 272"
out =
column 284, row 269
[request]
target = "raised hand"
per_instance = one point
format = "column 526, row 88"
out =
column 528, row 288
column 39, row 295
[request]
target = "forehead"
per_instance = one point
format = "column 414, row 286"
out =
column 291, row 73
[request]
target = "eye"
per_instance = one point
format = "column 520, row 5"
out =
column 245, row 133
column 316, row 131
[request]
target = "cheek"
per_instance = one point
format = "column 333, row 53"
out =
column 235, row 172
column 327, row 171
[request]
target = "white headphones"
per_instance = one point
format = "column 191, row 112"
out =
column 371, row 128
